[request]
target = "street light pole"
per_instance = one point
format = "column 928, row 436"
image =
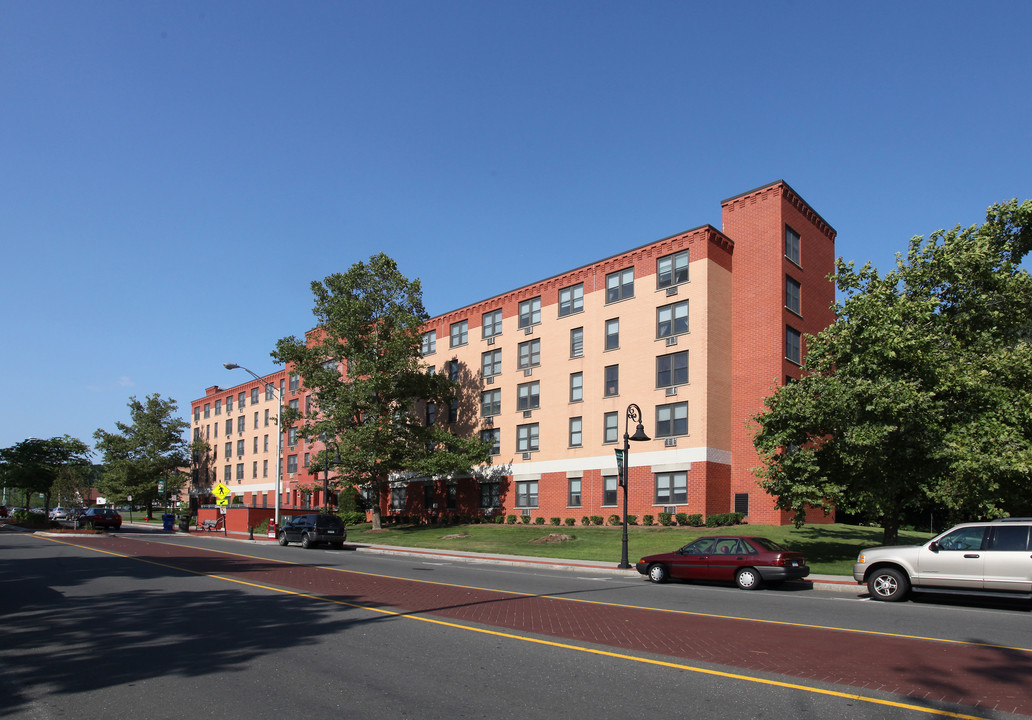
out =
column 633, row 413
column 279, row 426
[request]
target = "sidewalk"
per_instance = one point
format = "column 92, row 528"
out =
column 837, row 583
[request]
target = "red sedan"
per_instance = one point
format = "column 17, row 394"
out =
column 750, row 562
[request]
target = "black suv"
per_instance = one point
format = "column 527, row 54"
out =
column 312, row 529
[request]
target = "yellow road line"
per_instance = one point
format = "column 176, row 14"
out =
column 539, row 641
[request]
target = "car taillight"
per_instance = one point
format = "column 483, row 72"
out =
column 779, row 560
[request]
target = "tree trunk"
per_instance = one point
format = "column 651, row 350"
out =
column 377, row 519
column 890, row 534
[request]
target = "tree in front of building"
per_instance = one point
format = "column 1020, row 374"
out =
column 370, row 388
column 920, row 396
column 35, row 465
column 144, row 455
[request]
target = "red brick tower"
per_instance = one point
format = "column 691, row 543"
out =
column 784, row 252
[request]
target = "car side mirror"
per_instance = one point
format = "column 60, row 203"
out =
column 934, row 547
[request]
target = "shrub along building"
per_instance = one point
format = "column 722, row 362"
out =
column 694, row 329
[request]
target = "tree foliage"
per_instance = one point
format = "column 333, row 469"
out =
column 36, row 465
column 370, row 387
column 151, row 447
column 920, row 395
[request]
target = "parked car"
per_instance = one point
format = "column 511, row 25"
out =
column 100, row 518
column 313, row 529
column 750, row 562
column 60, row 513
column 987, row 558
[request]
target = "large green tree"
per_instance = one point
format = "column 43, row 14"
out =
column 150, row 448
column 920, row 395
column 36, row 465
column 370, row 386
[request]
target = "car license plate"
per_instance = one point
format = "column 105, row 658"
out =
column 795, row 563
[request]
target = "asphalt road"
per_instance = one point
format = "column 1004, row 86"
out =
column 189, row 626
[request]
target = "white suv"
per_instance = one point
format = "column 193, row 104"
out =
column 988, row 558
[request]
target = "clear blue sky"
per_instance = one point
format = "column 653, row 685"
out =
column 173, row 175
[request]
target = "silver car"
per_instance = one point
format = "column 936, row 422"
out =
column 987, row 558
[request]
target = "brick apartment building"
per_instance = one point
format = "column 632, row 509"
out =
column 694, row 329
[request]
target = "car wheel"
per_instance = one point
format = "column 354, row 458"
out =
column 282, row 538
column 889, row 585
column 748, row 579
column 658, row 573
column 306, row 541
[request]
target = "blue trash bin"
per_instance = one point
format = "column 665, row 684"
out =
column 169, row 522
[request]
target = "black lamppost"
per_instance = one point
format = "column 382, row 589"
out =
column 633, row 413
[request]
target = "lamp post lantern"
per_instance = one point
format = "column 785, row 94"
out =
column 623, row 465
column 279, row 425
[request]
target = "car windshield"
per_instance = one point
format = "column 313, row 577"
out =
column 769, row 545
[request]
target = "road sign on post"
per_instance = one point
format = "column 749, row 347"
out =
column 221, row 492
column 620, row 465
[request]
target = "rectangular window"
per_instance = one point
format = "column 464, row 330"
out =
column 429, row 344
column 294, row 404
column 269, row 391
column 265, row 444
column 620, row 285
column 613, row 334
column 528, row 396
column 265, row 468
column 255, row 445
column 218, row 407
column 576, row 432
column 431, row 413
column 255, row 419
column 574, row 496
column 490, row 403
column 240, row 471
column 672, row 419
column 453, row 370
column 577, row 342
column 530, row 312
column 292, row 464
column 254, row 470
column 527, row 438
column 672, row 269
column 610, row 427
column 292, row 436
column 792, row 245
column 490, row 495
column 228, row 475
column 491, row 323
column 494, row 437
column 229, row 450
column 576, row 387
column 793, row 345
column 527, row 494
column 295, row 382
column 197, row 413
column 229, row 404
column 530, row 354
column 672, row 488
column 229, row 426
column 793, row 295
column 672, row 369
column 571, row 300
column 266, row 417
column 254, row 396
column 241, row 401
column 207, row 410
column 459, row 333
column 612, row 380
column 240, row 448
column 672, row 319
column 491, row 363
column 609, row 486
column 453, row 411
column 398, row 498
column 241, row 424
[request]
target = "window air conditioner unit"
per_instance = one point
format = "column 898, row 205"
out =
column 671, row 391
column 528, row 372
column 671, row 291
column 670, row 442
column 671, row 341
column 490, row 341
column 670, row 509
column 490, row 380
column 524, row 511
column 528, row 330
column 526, row 456
column 527, row 413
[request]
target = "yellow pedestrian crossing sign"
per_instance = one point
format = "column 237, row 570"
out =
column 221, row 492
